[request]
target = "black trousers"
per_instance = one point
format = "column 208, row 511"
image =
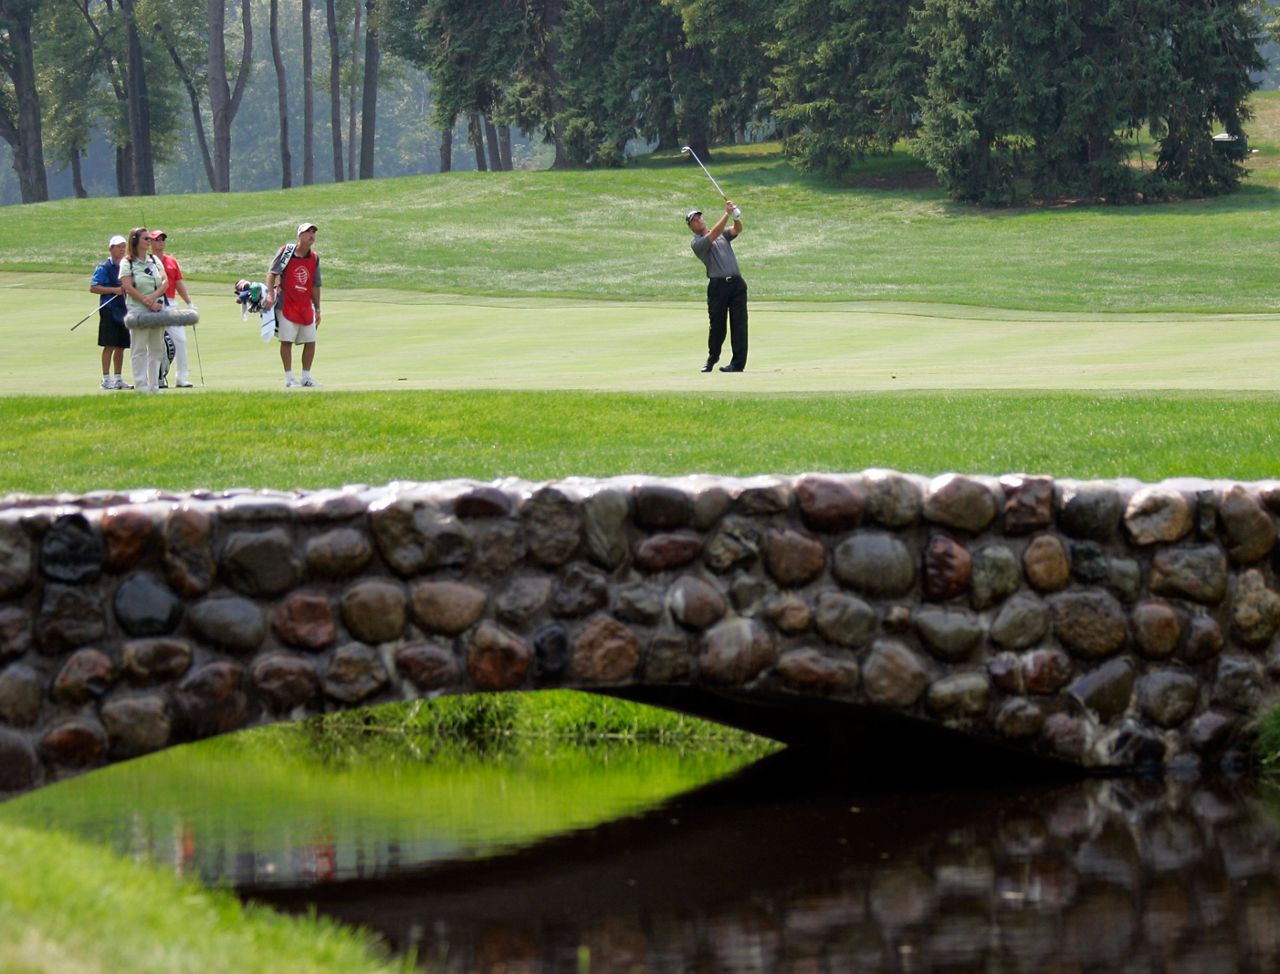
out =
column 727, row 299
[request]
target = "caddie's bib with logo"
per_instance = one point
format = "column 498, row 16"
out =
column 296, row 282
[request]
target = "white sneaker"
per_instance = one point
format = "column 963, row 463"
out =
column 108, row 384
column 120, row 384
column 291, row 383
column 310, row 383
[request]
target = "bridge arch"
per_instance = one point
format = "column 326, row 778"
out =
column 1095, row 625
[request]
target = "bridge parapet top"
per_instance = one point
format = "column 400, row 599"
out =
column 1105, row 624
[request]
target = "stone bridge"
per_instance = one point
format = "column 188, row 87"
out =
column 878, row 616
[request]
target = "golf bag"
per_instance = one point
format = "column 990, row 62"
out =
column 167, row 358
column 249, row 295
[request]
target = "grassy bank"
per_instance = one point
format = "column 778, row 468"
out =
column 618, row 234
column 224, row 441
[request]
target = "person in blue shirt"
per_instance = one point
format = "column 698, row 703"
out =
column 113, row 336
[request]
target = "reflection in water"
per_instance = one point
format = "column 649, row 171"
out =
column 763, row 873
column 572, row 860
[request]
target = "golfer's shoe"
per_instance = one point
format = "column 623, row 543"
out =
column 310, row 383
column 291, row 383
column 120, row 384
column 711, row 364
column 185, row 385
column 163, row 384
column 108, row 384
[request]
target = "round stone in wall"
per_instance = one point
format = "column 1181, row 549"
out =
column 448, row 607
column 19, row 766
column 69, row 617
column 662, row 552
column 581, row 590
column 1089, row 511
column 551, row 650
column 605, row 522
column 126, row 535
column 1090, row 622
column 843, row 619
column 959, row 502
column 261, row 563
column 789, row 613
column 735, row 544
column 229, row 622
column 605, row 651
column 735, row 652
column 188, row 551
column 1204, row 639
column 1046, row 564
column 996, row 575
column 1250, row 531
column 522, row 599
column 793, row 559
column 1157, row 514
column 894, row 676
column 553, row 526
column 831, row 505
column 79, row 742
column 16, row 557
column 949, row 633
column 354, row 674
column 1107, row 690
column 662, row 507
column 145, row 606
column 1198, row 572
column 305, row 619
column 947, row 567
column 497, row 659
column 892, row 499
column 1019, row 717
column 695, row 603
column 15, row 632
column 1028, row 503
column 875, row 563
column 429, row 666
column 137, row 725
column 156, row 660
column 1156, row 628
column 72, row 551
column 959, row 695
column 1021, row 622
column 212, row 700
column 810, row 669
column 1255, row 609
column 483, row 501
column 339, row 553
column 374, row 611
column 21, row 691
column 1168, row 697
column 87, row 675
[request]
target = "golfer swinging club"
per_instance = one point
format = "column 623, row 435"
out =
column 726, row 290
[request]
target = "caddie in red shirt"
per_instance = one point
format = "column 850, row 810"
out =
column 177, row 333
column 293, row 289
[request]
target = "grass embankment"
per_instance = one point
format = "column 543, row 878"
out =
column 262, row 440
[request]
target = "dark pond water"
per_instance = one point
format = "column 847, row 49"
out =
column 653, row 860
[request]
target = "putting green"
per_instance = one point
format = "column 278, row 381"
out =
column 405, row 340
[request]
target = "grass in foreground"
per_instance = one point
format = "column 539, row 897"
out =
column 72, row 908
column 51, row 445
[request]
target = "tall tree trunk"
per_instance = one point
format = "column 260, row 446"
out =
column 139, row 106
column 446, row 149
column 308, row 102
column 369, row 100
column 282, row 99
column 77, row 177
column 491, row 137
column 351, row 92
column 551, row 32
column 504, row 146
column 193, row 96
column 335, row 88
column 17, row 57
column 224, row 101
column 124, row 171
column 476, row 138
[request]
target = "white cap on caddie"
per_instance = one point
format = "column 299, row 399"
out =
column 116, row 240
column 306, row 225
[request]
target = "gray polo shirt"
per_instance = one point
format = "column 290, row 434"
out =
column 716, row 254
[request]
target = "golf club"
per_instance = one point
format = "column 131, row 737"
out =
column 94, row 312
column 684, row 148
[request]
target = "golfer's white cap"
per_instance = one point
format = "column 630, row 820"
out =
column 688, row 217
column 117, row 239
column 306, row 225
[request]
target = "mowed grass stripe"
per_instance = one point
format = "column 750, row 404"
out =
column 269, row 440
column 390, row 339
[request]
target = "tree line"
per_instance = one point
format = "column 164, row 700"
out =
column 1004, row 98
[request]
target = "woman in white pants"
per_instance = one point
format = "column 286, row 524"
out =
column 144, row 283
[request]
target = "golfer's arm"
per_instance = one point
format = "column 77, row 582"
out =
column 182, row 292
column 718, row 229
column 315, row 298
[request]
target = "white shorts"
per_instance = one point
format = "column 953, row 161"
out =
column 291, row 331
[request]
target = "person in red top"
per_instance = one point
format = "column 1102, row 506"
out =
column 176, row 333
column 293, row 283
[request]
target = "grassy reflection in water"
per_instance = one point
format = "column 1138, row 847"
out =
column 419, row 783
